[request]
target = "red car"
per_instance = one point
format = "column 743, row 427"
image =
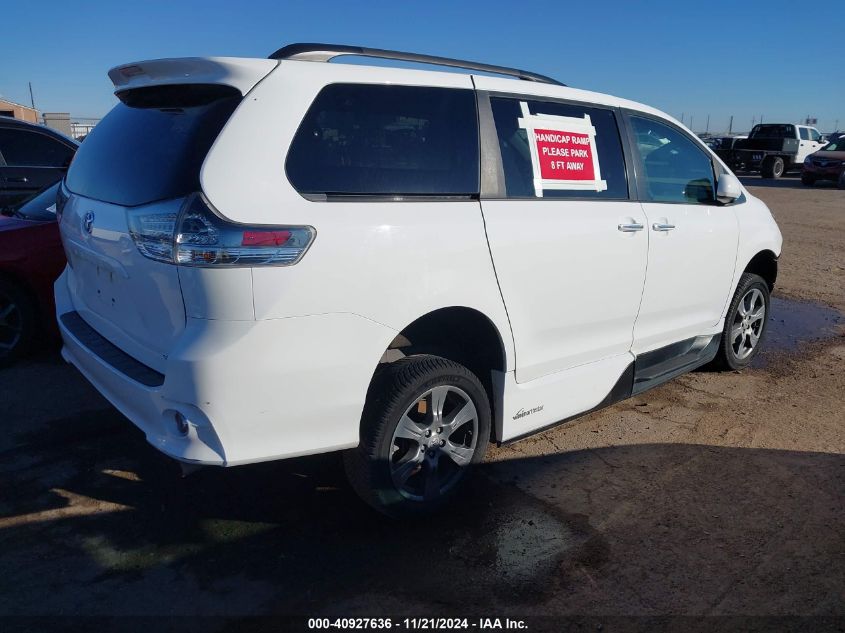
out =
column 826, row 164
column 31, row 258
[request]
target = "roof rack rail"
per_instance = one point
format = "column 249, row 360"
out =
column 326, row 52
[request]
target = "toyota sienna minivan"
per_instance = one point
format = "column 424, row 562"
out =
column 278, row 257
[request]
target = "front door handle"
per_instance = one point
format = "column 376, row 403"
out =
column 17, row 179
column 659, row 226
column 631, row 228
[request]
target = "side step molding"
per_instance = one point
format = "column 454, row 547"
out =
column 661, row 365
column 646, row 372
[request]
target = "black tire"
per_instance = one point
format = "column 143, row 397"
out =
column 841, row 182
column 772, row 167
column 397, row 388
column 728, row 357
column 807, row 180
column 18, row 322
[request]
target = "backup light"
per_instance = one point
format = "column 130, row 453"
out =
column 198, row 236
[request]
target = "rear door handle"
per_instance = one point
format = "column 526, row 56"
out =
column 659, row 226
column 631, row 228
column 17, row 179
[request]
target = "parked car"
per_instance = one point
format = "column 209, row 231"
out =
column 280, row 257
column 826, row 164
column 32, row 157
column 774, row 148
column 722, row 145
column 31, row 258
column 715, row 142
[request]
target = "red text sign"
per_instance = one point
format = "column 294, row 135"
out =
column 564, row 155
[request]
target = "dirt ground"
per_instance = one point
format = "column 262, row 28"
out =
column 718, row 494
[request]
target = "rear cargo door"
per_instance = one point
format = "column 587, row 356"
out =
column 141, row 161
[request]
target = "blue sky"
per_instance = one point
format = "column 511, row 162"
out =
column 745, row 59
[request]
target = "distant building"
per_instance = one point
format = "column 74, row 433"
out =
column 18, row 111
column 59, row 121
column 75, row 127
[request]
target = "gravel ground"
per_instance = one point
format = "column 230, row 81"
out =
column 718, row 494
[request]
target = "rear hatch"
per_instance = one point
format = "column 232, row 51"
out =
column 142, row 160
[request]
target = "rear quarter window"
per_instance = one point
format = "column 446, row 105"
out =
column 387, row 140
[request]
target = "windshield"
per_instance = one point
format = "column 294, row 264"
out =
column 41, row 207
column 835, row 146
column 773, row 131
column 152, row 145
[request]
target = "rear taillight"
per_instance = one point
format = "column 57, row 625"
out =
column 198, row 236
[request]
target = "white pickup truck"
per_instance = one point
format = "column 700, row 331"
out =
column 774, row 148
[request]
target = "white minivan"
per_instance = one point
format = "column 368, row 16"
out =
column 278, row 257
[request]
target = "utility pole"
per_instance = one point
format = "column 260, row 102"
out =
column 707, row 128
column 31, row 98
column 682, row 117
column 690, row 123
column 731, row 126
column 761, row 118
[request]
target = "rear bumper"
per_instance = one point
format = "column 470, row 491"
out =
column 250, row 390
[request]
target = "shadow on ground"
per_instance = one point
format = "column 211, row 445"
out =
column 110, row 528
column 93, row 521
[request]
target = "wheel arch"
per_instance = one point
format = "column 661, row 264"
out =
column 764, row 264
column 461, row 334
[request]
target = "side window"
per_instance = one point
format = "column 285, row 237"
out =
column 805, row 133
column 361, row 139
column 814, row 134
column 559, row 150
column 22, row 148
column 675, row 168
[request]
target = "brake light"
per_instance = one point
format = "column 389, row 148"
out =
column 198, row 236
column 265, row 238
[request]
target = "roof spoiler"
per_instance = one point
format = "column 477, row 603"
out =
column 239, row 73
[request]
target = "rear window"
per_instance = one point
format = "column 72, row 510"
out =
column 773, row 131
column 151, row 146
column 397, row 140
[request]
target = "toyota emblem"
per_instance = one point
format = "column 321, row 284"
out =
column 89, row 222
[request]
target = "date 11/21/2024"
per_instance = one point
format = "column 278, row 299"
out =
column 418, row 624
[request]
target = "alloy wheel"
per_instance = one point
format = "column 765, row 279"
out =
column 748, row 323
column 433, row 442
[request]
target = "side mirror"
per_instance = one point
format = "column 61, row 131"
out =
column 728, row 188
column 822, row 140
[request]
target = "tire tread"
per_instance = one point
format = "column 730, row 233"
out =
column 391, row 386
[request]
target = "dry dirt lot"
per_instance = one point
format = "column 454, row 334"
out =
column 718, row 494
